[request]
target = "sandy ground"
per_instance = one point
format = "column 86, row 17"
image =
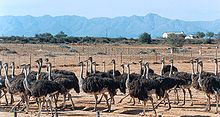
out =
column 123, row 109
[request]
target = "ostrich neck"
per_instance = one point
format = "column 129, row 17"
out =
column 81, row 76
column 91, row 70
column 28, row 70
column 144, row 72
column 103, row 67
column 161, row 70
column 128, row 77
column 192, row 67
column 39, row 71
column 216, row 68
column 7, row 83
column 197, row 67
column 94, row 67
column 13, row 71
column 113, row 70
column 200, row 79
column 147, row 72
column 49, row 73
column 141, row 68
column 171, row 69
column 25, row 82
column 123, row 70
column 87, row 69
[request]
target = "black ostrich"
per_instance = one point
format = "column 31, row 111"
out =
column 211, row 86
column 42, row 89
column 186, row 82
column 133, row 77
column 168, row 83
column 195, row 83
column 143, row 89
column 118, row 81
column 96, row 85
column 65, row 80
column 15, row 87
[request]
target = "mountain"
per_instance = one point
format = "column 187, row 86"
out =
column 100, row 27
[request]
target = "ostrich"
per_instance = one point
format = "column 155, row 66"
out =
column 143, row 89
column 111, row 74
column 133, row 77
column 64, row 80
column 195, row 83
column 42, row 89
column 96, row 85
column 211, row 86
column 167, row 83
column 16, row 86
column 187, row 82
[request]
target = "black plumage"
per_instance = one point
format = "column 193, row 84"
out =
column 142, row 88
column 97, row 85
column 210, row 85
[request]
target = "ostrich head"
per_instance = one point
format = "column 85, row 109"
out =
column 12, row 64
column 200, row 63
column 197, row 59
column 162, row 60
column 46, row 60
column 140, row 61
column 171, row 61
column 81, row 63
column 90, row 59
column 39, row 61
column 215, row 60
column 122, row 66
column 5, row 66
column 113, row 61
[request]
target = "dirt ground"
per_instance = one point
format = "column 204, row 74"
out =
column 83, row 100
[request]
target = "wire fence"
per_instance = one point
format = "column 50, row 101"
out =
column 67, row 55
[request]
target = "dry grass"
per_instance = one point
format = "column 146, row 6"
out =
column 62, row 58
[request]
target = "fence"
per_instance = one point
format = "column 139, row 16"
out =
column 62, row 56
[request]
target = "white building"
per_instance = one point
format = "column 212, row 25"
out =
column 166, row 34
column 191, row 37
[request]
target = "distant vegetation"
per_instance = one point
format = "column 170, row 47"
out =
column 144, row 38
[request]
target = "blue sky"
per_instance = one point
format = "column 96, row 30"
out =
column 202, row 10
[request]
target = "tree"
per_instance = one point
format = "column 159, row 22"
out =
column 44, row 37
column 200, row 34
column 61, row 34
column 210, row 34
column 145, row 38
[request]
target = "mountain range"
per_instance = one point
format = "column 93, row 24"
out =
column 129, row 27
